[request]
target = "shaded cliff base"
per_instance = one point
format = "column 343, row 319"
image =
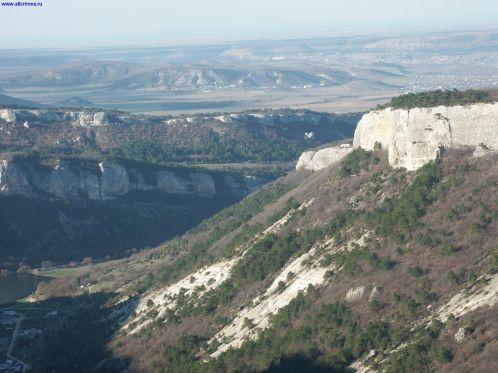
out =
column 62, row 210
column 35, row 230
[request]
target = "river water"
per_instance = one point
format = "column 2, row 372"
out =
column 17, row 286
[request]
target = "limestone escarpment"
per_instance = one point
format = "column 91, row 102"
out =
column 71, row 208
column 320, row 159
column 104, row 180
column 414, row 137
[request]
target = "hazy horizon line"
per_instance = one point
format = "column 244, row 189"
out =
column 200, row 41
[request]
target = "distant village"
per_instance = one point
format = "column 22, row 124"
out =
column 12, row 330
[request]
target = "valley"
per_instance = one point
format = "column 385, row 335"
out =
column 249, row 186
column 354, row 260
column 105, row 184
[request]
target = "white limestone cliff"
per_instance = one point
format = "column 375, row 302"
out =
column 93, row 119
column 12, row 179
column 8, row 115
column 76, row 118
column 110, row 180
column 414, row 137
column 320, row 159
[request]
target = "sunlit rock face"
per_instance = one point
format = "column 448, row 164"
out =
column 414, row 137
column 8, row 115
column 76, row 118
column 320, row 159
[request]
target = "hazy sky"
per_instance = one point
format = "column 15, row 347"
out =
column 62, row 23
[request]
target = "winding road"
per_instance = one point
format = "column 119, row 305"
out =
column 15, row 333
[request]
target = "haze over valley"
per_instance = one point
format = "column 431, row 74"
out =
column 343, row 73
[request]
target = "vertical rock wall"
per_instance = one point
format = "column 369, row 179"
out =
column 414, row 137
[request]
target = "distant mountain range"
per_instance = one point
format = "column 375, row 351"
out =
column 122, row 75
column 344, row 73
column 70, row 74
column 206, row 77
column 12, row 101
column 74, row 102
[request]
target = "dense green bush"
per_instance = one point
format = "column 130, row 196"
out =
column 326, row 338
column 359, row 159
column 341, row 220
column 416, row 271
column 399, row 216
column 493, row 262
column 270, row 254
column 438, row 98
column 267, row 256
column 222, row 295
column 350, row 261
column 428, row 346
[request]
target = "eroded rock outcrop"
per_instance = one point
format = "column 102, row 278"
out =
column 8, row 115
column 42, row 116
column 462, row 334
column 12, row 179
column 414, row 137
column 92, row 119
column 65, row 179
column 355, row 294
column 320, row 159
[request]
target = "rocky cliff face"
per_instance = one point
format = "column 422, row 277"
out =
column 320, row 159
column 68, row 209
column 92, row 117
column 102, row 181
column 76, row 118
column 414, row 137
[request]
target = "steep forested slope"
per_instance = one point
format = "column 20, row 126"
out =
column 357, row 265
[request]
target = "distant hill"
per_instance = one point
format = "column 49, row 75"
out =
column 208, row 77
column 12, row 101
column 122, row 75
column 70, row 74
column 75, row 102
